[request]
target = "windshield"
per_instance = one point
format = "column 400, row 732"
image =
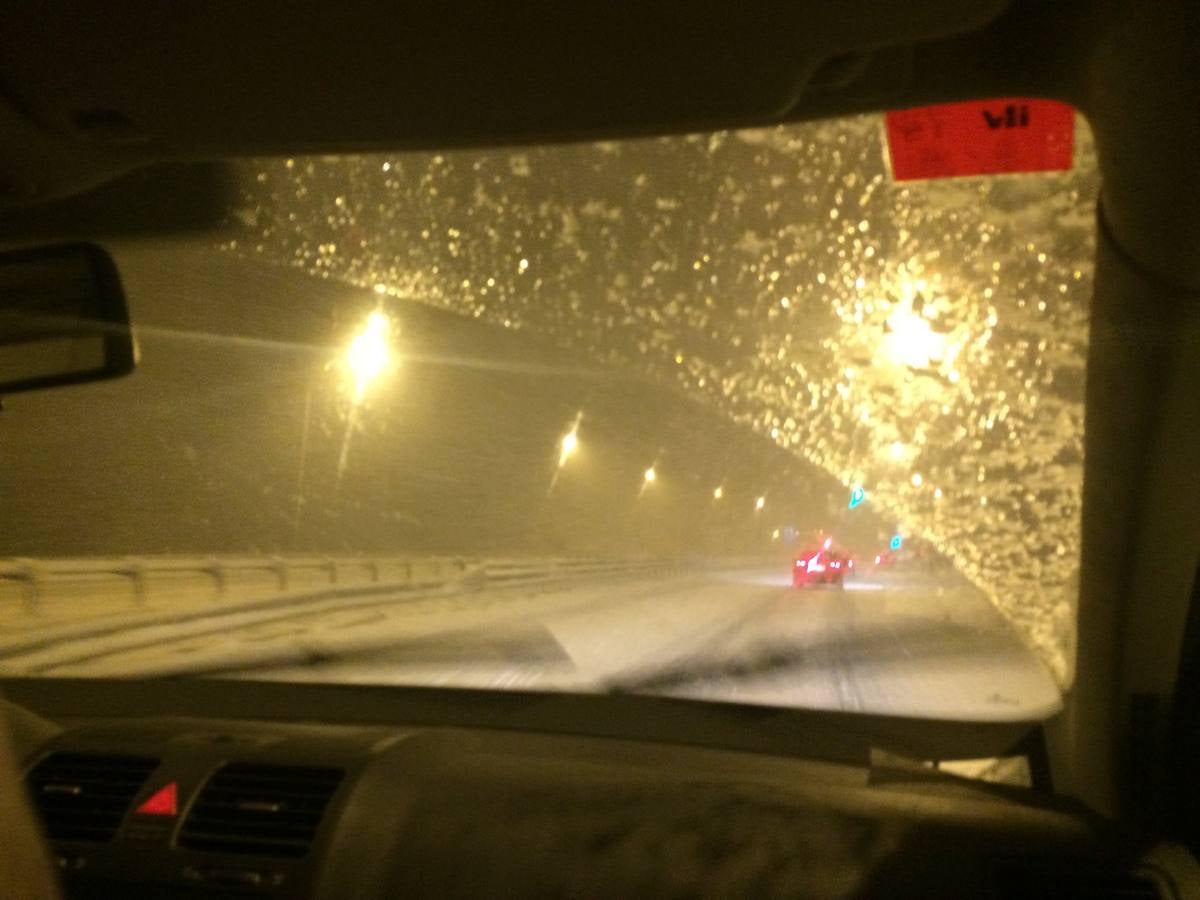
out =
column 733, row 416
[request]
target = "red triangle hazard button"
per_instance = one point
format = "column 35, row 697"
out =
column 163, row 802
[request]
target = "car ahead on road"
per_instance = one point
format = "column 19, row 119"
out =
column 821, row 565
column 886, row 559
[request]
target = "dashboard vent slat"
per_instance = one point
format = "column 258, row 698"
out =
column 260, row 809
column 83, row 796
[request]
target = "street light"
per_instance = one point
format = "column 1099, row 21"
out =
column 367, row 358
column 570, row 441
column 910, row 341
column 568, row 445
column 760, row 503
column 718, row 492
column 369, row 354
column 648, row 478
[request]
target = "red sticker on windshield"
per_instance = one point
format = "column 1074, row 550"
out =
column 985, row 137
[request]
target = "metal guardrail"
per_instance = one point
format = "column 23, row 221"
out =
column 34, row 587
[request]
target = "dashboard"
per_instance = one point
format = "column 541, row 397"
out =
column 192, row 788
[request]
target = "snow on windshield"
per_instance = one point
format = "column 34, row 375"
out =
column 923, row 340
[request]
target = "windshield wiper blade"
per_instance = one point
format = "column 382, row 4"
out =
column 693, row 670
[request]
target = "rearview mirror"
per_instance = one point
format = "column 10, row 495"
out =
column 63, row 318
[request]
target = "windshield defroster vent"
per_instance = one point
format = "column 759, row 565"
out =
column 260, row 809
column 83, row 796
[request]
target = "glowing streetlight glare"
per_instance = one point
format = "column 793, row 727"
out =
column 911, row 341
column 917, row 480
column 775, row 535
column 568, row 446
column 649, row 475
column 760, row 503
column 828, row 543
column 897, row 450
column 718, row 492
column 369, row 354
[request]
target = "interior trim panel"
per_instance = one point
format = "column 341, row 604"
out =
column 415, row 799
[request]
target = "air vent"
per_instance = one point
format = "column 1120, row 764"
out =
column 84, row 797
column 259, row 809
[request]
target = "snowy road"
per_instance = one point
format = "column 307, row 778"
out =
column 906, row 647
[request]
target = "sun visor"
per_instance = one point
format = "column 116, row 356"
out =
column 143, row 82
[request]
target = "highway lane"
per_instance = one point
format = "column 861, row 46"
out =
column 334, row 625
column 923, row 645
column 911, row 647
column 920, row 648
